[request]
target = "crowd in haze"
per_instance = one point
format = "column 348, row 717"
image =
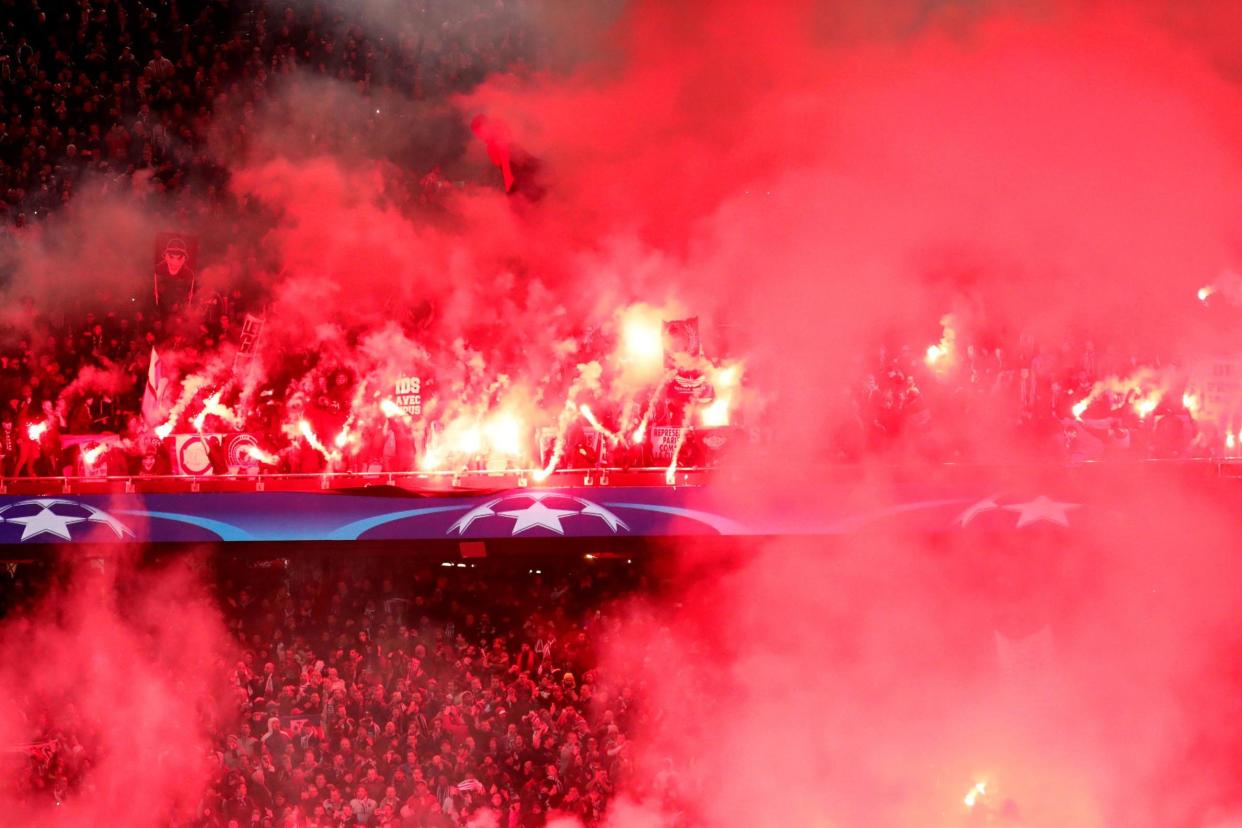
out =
column 409, row 694
column 115, row 90
column 148, row 98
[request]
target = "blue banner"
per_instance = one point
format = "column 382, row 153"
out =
column 585, row 512
column 330, row 516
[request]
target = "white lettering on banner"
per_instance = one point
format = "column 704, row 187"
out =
column 409, row 396
column 252, row 329
column 664, row 441
column 1220, row 384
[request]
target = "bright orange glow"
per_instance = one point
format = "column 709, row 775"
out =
column 211, row 406
column 716, row 414
column 938, row 356
column 164, row 430
column 260, row 455
column 643, row 342
column 91, row 456
column 504, row 435
column 390, row 409
column 1146, row 404
column 642, row 336
column 468, row 441
column 312, row 439
column 35, row 431
column 975, row 794
column 1204, row 292
column 585, row 411
column 727, row 377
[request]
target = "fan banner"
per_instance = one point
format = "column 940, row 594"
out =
column 193, row 454
column 962, row 502
column 664, row 441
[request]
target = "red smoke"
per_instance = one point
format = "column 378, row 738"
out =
column 824, row 180
column 120, row 671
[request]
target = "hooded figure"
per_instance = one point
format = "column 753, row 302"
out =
column 174, row 276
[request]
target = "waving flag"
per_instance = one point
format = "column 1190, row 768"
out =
column 154, row 394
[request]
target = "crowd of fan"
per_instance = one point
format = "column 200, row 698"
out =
column 81, row 372
column 116, row 89
column 418, row 698
column 932, row 406
column 157, row 92
column 149, row 97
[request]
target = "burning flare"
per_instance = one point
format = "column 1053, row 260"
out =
column 940, row 355
column 312, row 439
column 725, row 382
column 589, row 416
column 975, row 794
column 1147, row 403
column 504, row 435
column 91, row 456
column 642, row 336
column 211, row 406
column 261, row 456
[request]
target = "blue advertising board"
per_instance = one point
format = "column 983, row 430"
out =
column 522, row 513
column 333, row 516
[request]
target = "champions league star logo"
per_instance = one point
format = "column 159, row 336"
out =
column 46, row 516
column 546, row 510
column 1042, row 509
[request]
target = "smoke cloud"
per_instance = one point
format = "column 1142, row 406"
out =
column 819, row 180
column 119, row 672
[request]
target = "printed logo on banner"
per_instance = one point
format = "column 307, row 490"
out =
column 54, row 516
column 664, row 441
column 547, row 510
column 409, row 395
column 193, row 456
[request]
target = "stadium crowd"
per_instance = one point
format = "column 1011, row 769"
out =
column 406, row 694
column 147, row 97
column 155, row 93
column 1057, row 401
column 117, row 89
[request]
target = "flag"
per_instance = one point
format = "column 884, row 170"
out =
column 681, row 336
column 252, row 329
column 682, row 352
column 153, row 395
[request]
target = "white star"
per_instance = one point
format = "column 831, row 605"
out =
column 536, row 514
column 985, row 505
column 45, row 520
column 99, row 516
column 463, row 523
column 1042, row 509
column 594, row 509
